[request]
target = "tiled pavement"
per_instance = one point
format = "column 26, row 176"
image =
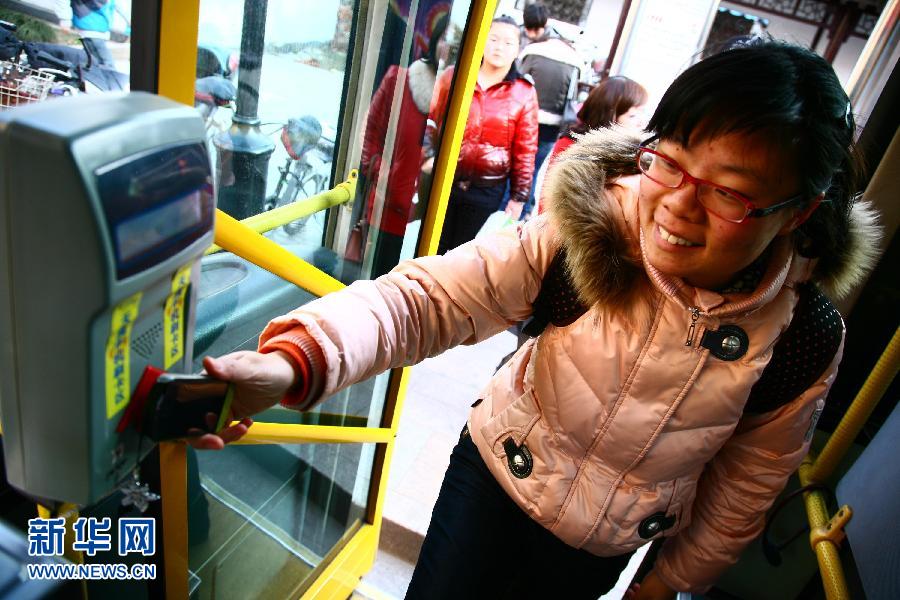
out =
column 438, row 400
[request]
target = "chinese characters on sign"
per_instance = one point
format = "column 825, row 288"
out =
column 92, row 535
column 46, row 537
column 137, row 535
column 173, row 318
column 118, row 385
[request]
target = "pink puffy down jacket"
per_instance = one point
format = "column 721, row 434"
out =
column 622, row 420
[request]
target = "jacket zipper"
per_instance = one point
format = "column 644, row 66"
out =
column 695, row 315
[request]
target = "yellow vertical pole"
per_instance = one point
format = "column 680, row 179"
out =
column 460, row 100
column 858, row 413
column 173, row 495
column 827, row 552
column 817, row 469
column 178, row 27
column 70, row 513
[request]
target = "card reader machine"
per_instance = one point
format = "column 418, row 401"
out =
column 106, row 206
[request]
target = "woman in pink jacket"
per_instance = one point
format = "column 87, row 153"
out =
column 662, row 398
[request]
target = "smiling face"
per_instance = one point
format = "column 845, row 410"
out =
column 502, row 45
column 682, row 239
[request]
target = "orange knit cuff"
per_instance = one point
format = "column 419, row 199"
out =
column 310, row 365
column 298, row 393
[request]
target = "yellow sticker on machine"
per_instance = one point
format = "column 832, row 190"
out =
column 173, row 318
column 118, row 351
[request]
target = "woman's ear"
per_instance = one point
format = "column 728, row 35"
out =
column 803, row 215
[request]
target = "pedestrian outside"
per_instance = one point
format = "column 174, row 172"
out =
column 499, row 141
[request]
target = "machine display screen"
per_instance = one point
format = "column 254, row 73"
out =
column 156, row 204
column 152, row 228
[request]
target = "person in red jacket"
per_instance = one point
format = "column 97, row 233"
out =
column 403, row 169
column 499, row 142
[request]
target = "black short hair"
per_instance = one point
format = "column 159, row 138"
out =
column 534, row 16
column 437, row 33
column 793, row 98
column 505, row 20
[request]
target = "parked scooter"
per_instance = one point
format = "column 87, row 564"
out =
column 307, row 168
column 72, row 69
column 212, row 93
column 214, row 87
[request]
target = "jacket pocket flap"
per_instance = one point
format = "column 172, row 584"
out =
column 515, row 421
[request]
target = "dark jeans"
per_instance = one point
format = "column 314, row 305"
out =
column 99, row 51
column 480, row 544
column 467, row 212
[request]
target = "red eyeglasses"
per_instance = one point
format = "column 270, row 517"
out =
column 719, row 200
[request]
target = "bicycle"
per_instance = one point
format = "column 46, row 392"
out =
column 20, row 84
column 306, row 170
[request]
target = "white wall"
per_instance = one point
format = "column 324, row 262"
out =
column 600, row 26
column 846, row 57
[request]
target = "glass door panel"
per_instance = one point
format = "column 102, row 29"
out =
column 415, row 43
column 263, row 518
column 317, row 89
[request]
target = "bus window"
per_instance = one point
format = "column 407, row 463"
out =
column 395, row 176
column 338, row 85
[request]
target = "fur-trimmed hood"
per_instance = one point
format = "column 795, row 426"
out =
column 421, row 84
column 602, row 255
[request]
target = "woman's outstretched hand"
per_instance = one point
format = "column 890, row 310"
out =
column 260, row 382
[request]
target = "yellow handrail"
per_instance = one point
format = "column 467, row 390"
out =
column 291, row 433
column 176, row 74
column 816, row 469
column 830, row 568
column 263, row 222
column 856, row 416
column 234, row 236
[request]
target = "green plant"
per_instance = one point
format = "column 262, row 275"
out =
column 29, row 28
